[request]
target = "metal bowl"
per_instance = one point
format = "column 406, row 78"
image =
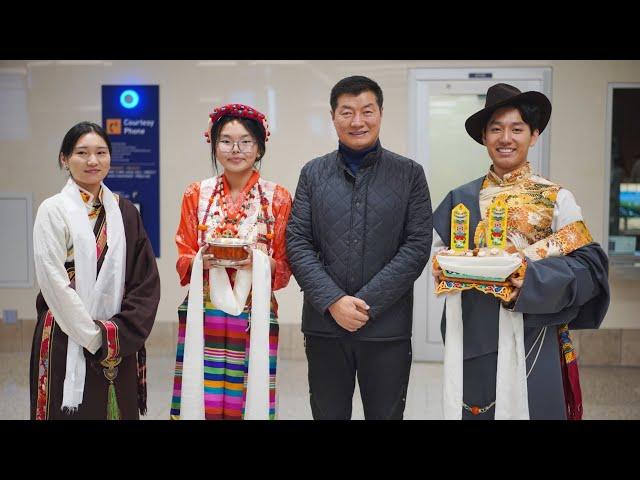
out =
column 228, row 249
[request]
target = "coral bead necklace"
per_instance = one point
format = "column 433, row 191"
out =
column 230, row 215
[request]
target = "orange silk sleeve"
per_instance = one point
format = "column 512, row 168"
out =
column 187, row 234
column 281, row 210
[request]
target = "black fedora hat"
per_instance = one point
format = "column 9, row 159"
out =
column 500, row 95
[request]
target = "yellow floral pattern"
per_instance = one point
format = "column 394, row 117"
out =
column 564, row 241
column 530, row 199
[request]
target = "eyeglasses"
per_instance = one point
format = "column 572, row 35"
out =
column 244, row 146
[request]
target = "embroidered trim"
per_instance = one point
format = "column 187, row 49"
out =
column 498, row 291
column 113, row 343
column 101, row 239
column 42, row 406
column 568, row 349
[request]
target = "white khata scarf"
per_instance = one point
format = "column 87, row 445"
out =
column 512, row 399
column 231, row 301
column 101, row 296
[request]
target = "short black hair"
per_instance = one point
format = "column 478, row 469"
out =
column 354, row 85
column 530, row 113
column 75, row 133
column 255, row 128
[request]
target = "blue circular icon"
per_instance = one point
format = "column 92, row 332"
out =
column 129, row 99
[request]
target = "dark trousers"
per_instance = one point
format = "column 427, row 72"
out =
column 382, row 369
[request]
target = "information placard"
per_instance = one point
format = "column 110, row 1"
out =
column 130, row 116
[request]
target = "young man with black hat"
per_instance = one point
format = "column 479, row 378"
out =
column 358, row 237
column 512, row 358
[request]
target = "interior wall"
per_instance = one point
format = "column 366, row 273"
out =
column 41, row 100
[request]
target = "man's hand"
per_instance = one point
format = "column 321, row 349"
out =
column 517, row 283
column 437, row 274
column 350, row 313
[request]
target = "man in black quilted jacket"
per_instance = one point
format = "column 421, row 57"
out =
column 358, row 237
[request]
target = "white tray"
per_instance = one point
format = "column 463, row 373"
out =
column 483, row 268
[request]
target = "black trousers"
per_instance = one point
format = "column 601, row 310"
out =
column 382, row 369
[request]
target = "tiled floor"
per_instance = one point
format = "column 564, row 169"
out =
column 608, row 392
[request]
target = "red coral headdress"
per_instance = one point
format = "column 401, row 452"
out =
column 237, row 110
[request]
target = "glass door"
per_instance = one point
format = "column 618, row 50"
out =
column 451, row 158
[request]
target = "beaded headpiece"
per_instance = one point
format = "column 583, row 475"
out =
column 237, row 110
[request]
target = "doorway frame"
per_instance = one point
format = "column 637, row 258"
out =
column 419, row 148
column 607, row 155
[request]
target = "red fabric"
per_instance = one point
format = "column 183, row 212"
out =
column 281, row 210
column 113, row 342
column 187, row 234
column 571, row 384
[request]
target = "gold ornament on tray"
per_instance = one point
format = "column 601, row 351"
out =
column 496, row 235
column 460, row 228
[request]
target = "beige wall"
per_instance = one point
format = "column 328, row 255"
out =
column 60, row 94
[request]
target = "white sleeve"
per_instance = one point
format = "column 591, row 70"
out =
column 565, row 210
column 50, row 253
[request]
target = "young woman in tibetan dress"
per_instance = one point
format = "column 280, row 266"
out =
column 99, row 292
column 228, row 330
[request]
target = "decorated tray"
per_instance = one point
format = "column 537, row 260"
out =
column 485, row 268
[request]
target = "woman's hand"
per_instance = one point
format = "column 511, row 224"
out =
column 246, row 264
column 208, row 261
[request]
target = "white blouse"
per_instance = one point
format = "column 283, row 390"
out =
column 52, row 247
